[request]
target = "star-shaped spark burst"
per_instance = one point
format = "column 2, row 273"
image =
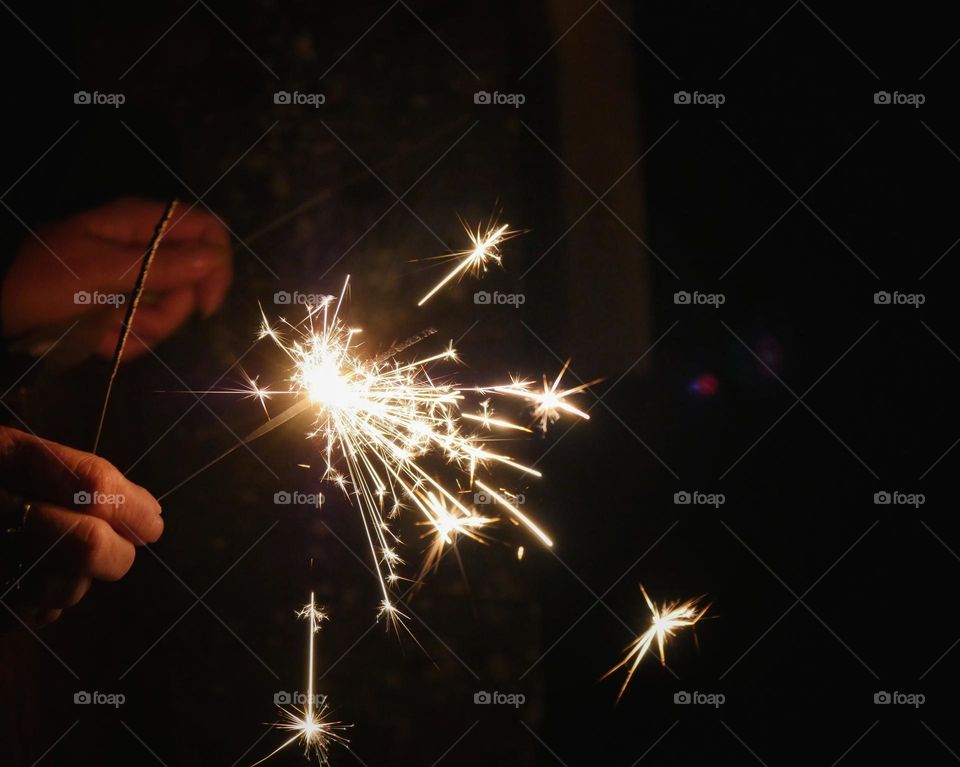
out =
column 446, row 525
column 485, row 248
column 549, row 404
column 664, row 622
column 309, row 724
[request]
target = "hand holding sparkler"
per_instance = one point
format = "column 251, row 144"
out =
column 81, row 269
column 70, row 518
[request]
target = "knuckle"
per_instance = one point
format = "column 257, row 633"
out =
column 98, row 475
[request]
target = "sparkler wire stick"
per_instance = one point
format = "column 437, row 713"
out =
column 162, row 225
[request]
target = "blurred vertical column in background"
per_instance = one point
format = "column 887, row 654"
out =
column 604, row 265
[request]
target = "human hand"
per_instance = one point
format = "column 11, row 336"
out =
column 83, row 522
column 97, row 254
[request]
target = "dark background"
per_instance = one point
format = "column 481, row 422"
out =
column 695, row 398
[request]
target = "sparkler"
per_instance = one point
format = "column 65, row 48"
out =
column 378, row 419
column 485, row 248
column 664, row 622
column 161, row 229
column 310, row 725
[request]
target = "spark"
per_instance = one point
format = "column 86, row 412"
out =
column 486, row 418
column 485, row 249
column 520, row 516
column 446, row 526
column 310, row 724
column 549, row 404
column 260, row 393
column 664, row 622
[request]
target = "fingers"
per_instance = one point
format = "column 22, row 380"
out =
column 45, row 471
column 75, row 543
column 195, row 247
column 82, row 524
column 176, row 265
column 103, row 250
column 158, row 319
column 186, row 263
column 133, row 220
column 153, row 322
